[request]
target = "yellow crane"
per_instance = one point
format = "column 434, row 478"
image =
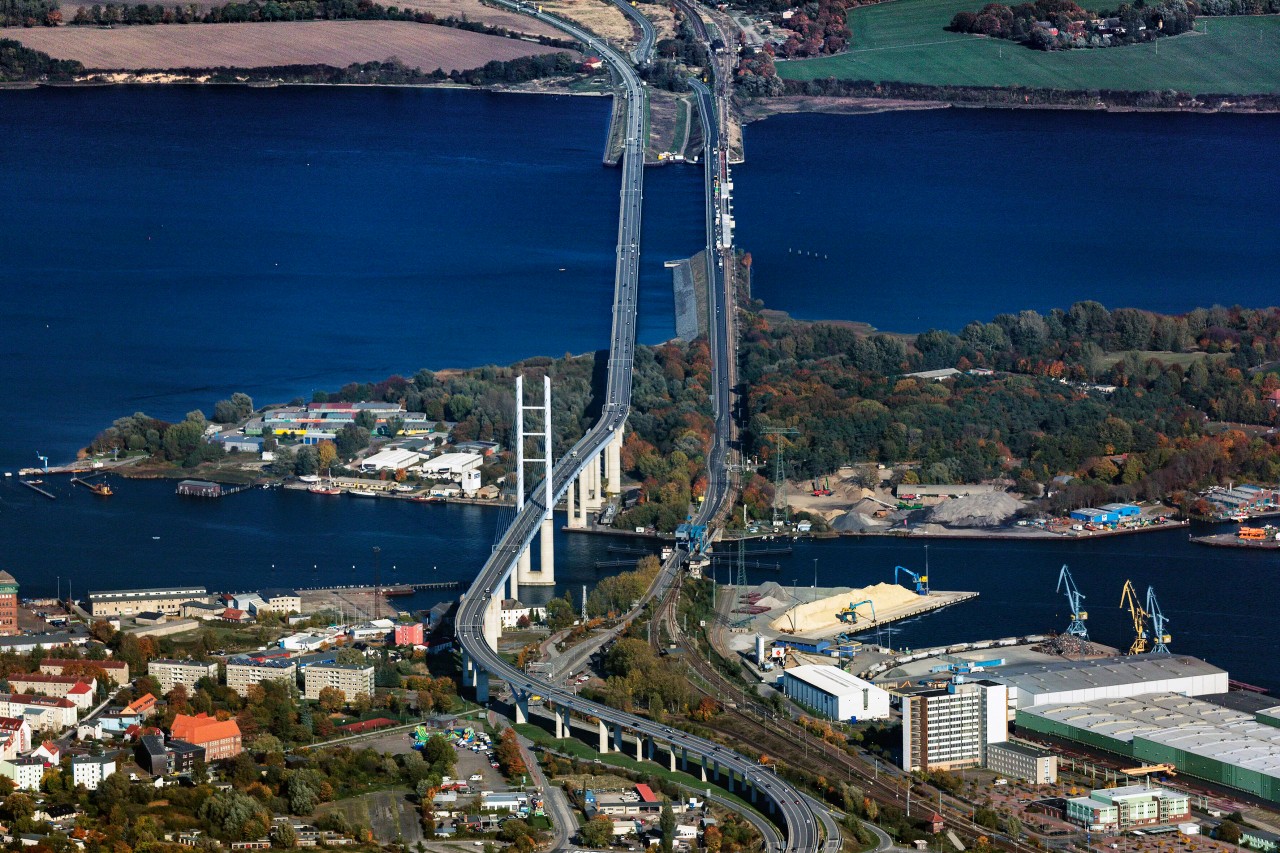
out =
column 1129, row 599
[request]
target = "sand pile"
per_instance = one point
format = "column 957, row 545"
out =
column 819, row 617
column 772, row 595
column 856, row 522
column 993, row 509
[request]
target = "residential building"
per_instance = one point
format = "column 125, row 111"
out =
column 243, row 673
column 352, row 679
column 91, row 770
column 126, row 602
column 79, row 690
column 1128, row 808
column 170, row 673
column 26, row 773
column 48, row 752
column 1023, row 762
column 20, row 727
column 219, row 738
column 43, row 713
column 513, row 611
column 409, row 635
column 834, row 693
column 115, row 671
column 143, row 706
column 8, row 604
column 950, row 728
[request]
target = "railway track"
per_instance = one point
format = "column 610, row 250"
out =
column 791, row 742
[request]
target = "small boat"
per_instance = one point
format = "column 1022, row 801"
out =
column 101, row 489
column 363, row 493
column 319, row 489
column 309, row 478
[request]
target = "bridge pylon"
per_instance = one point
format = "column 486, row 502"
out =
column 546, row 574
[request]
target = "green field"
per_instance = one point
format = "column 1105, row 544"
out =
column 904, row 41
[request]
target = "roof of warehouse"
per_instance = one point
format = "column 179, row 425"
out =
column 1055, row 676
column 1122, row 719
column 1252, row 746
column 829, row 678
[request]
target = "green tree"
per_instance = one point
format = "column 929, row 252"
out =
column 597, row 832
column 667, row 825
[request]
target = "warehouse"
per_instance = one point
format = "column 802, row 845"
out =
column 835, row 693
column 1217, row 744
column 1092, row 515
column 1059, row 682
column 451, row 466
column 125, row 602
column 390, row 460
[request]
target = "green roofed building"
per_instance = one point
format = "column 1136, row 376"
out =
column 1207, row 741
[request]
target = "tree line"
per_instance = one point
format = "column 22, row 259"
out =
column 29, row 13
column 275, row 10
column 1061, row 24
column 22, row 63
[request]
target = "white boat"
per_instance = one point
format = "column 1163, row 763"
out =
column 363, row 493
column 309, row 478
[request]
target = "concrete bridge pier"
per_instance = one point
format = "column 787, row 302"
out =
column 546, row 574
column 571, row 510
column 639, row 747
column 522, row 706
column 604, row 736
column 524, row 567
column 703, row 768
column 651, row 748
column 482, row 687
column 562, row 717
column 684, row 759
column 617, row 738
column 493, row 621
column 613, row 463
column 468, row 671
column 671, row 758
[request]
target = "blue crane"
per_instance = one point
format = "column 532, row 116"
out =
column 922, row 581
column 1075, row 598
column 1158, row 621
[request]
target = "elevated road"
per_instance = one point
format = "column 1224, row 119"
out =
column 476, row 626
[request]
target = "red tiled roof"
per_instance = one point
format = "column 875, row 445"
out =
column 105, row 664
column 202, row 728
column 45, row 678
column 11, row 724
column 646, row 794
column 142, row 704
column 79, row 689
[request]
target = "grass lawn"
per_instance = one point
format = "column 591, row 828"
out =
column 904, row 41
column 1182, row 359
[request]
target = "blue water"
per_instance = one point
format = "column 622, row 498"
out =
column 163, row 248
column 915, row 220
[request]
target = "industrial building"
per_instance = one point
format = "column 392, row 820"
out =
column 243, row 673
column 352, row 679
column 1220, row 745
column 1021, row 761
column 1066, row 681
column 1093, row 515
column 126, row 602
column 451, row 466
column 170, row 673
column 951, row 728
column 390, row 460
column 835, row 693
column 1127, row 808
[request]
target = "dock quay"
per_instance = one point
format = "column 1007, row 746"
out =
column 32, row 484
column 935, row 600
column 1231, row 540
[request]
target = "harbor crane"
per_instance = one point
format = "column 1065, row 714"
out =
column 850, row 614
column 922, row 581
column 44, row 461
column 1129, row 599
column 1075, row 598
column 1158, row 623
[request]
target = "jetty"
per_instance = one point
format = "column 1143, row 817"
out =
column 33, row 486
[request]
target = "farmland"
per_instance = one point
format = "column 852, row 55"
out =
column 474, row 10
column 904, row 41
column 337, row 43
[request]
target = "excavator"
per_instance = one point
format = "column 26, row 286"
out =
column 823, row 491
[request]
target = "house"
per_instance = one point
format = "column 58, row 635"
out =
column 281, row 600
column 303, row 642
column 91, row 770
column 513, row 611
column 231, row 614
column 79, row 688
column 220, row 738
column 202, row 610
column 49, row 752
column 149, row 617
column 592, row 63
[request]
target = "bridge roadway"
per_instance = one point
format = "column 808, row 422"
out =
column 796, row 814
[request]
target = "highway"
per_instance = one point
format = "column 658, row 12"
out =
column 796, row 815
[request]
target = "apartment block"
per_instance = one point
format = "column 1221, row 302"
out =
column 352, row 679
column 243, row 673
column 949, row 729
column 170, row 673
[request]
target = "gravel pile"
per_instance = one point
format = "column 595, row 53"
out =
column 988, row 510
column 856, row 522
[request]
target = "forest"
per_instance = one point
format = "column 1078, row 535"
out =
column 29, row 13
column 1061, row 24
column 23, row 63
column 1133, row 404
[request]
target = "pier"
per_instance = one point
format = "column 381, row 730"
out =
column 35, row 488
